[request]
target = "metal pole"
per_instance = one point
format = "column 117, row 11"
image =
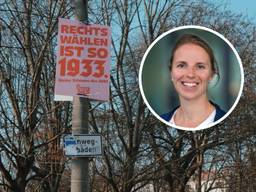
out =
column 80, row 165
column 81, row 10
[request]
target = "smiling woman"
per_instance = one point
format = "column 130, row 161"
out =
column 192, row 68
column 191, row 78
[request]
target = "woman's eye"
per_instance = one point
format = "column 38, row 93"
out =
column 201, row 67
column 181, row 65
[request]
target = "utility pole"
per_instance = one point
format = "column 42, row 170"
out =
column 80, row 165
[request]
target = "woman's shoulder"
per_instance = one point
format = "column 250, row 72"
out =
column 168, row 116
column 219, row 112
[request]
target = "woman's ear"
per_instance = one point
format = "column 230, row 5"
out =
column 211, row 78
column 214, row 79
column 171, row 76
column 213, row 75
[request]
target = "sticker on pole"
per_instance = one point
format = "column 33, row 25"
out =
column 82, row 145
column 83, row 60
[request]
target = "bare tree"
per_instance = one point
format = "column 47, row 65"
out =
column 173, row 156
column 31, row 123
column 139, row 151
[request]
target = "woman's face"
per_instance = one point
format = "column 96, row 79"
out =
column 191, row 71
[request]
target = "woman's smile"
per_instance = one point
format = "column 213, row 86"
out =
column 189, row 84
column 189, row 87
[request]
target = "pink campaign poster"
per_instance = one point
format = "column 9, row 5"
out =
column 83, row 60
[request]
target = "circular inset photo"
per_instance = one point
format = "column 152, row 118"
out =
column 191, row 78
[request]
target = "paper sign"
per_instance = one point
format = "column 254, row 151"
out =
column 82, row 145
column 83, row 60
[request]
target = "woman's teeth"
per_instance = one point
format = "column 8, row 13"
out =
column 189, row 84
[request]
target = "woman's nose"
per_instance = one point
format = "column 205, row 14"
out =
column 191, row 72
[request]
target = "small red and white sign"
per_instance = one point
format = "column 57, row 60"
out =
column 83, row 60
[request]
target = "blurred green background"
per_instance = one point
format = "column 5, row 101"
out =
column 156, row 82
